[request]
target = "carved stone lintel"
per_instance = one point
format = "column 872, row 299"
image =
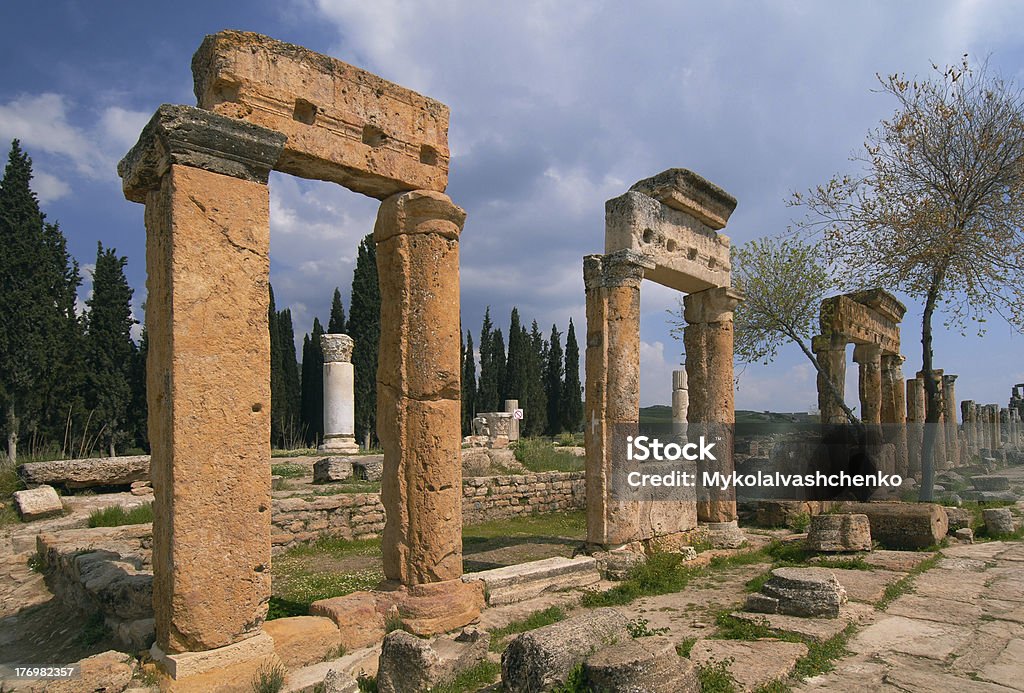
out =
column 336, row 347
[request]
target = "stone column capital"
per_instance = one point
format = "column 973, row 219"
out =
column 419, row 212
column 188, row 136
column 823, row 343
column 948, row 379
column 336, row 347
column 624, row 268
column 867, row 353
column 711, row 305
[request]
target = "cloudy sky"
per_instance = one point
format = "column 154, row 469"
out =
column 556, row 107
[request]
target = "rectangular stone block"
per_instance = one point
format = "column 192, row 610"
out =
column 841, row 315
column 208, row 378
column 689, row 255
column 344, row 125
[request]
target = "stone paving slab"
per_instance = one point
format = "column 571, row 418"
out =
column 902, row 561
column 1008, row 667
column 909, row 636
column 866, row 585
column 754, row 663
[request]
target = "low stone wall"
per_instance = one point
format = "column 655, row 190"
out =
column 361, row 515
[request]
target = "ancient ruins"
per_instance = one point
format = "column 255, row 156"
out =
column 665, row 229
column 202, row 174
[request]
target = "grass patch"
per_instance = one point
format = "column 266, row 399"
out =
column 297, row 584
column 350, row 485
column 117, row 515
column 575, row 682
column 366, row 684
column 497, row 533
column 715, row 678
column 854, row 563
column 289, row 471
column 269, row 679
column 472, row 679
column 540, row 455
column 821, row 656
column 905, row 584
column 538, row 619
column 684, row 648
column 661, row 574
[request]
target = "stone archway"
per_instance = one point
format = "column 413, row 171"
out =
column 202, row 174
column 665, row 229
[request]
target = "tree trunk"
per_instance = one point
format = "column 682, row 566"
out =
column 832, row 389
column 12, row 435
column 932, row 405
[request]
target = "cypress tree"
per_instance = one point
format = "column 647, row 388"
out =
column 139, row 408
column 469, row 392
column 337, row 323
column 513, row 385
column 535, row 404
column 572, row 390
column 39, row 347
column 487, row 397
column 290, row 426
column 109, row 348
column 497, row 357
column 364, row 328
column 313, row 385
column 554, row 372
column 278, row 397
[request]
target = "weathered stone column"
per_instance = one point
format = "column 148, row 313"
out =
column 915, row 425
column 203, row 180
column 831, row 355
column 612, row 407
column 894, row 410
column 680, row 403
column 708, row 337
column 949, row 413
column 869, row 358
column 968, row 415
column 997, row 429
column 339, row 395
column 1004, row 425
column 940, row 454
column 985, row 429
column 513, row 426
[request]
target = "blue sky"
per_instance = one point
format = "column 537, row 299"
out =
column 556, row 107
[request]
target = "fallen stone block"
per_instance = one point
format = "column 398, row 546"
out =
column 408, row 663
column 516, row 583
column 541, row 659
column 37, row 503
column 965, row 534
column 991, row 483
column 302, row 640
column 903, row 525
column 998, row 521
column 643, row 665
column 368, row 468
column 329, row 470
column 957, row 518
column 338, row 681
column 88, row 472
column 751, row 664
column 107, row 671
column 359, row 616
column 799, row 592
column 838, row 533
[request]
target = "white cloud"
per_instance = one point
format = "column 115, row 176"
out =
column 49, row 188
column 40, row 121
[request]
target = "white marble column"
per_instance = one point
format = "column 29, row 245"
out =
column 339, row 395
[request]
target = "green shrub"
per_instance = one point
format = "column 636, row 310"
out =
column 539, row 455
column 289, row 471
column 117, row 515
column 536, row 620
column 269, row 679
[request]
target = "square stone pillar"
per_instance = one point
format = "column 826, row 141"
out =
column 831, row 355
column 203, row 180
column 612, row 406
column 708, row 337
column 949, row 414
column 894, row 410
column 915, row 425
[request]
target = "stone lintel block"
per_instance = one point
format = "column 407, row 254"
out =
column 882, row 302
column 842, row 318
column 686, row 191
column 343, row 124
column 337, row 348
column 187, row 664
column 688, row 255
column 711, row 305
column 190, row 136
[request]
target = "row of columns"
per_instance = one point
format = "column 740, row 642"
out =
column 987, row 425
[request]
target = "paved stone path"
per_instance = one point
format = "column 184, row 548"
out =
column 961, row 629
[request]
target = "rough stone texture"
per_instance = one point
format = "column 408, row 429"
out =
column 209, row 393
column 329, row 470
column 998, row 521
column 218, row 663
column 949, row 416
column 991, row 483
column 869, row 358
column 708, row 337
column 418, row 386
column 337, row 681
column 643, row 665
column 37, row 503
column 302, row 640
column 751, row 664
column 839, row 532
column 192, row 137
column 359, row 616
column 799, row 592
column 965, row 534
column 86, row 473
column 344, row 125
column 686, row 191
column 958, row 518
column 438, row 607
column 541, row 659
column 516, row 583
column 894, row 411
column 108, row 671
column 903, row 525
column 368, row 467
column 408, row 663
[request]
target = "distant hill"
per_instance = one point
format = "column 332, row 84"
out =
column 662, row 414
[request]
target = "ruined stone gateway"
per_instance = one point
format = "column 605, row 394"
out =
column 664, row 229
column 202, row 173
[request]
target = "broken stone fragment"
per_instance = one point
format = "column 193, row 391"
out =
column 799, row 592
column 37, row 503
